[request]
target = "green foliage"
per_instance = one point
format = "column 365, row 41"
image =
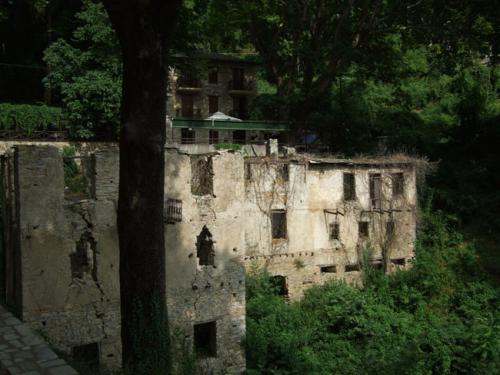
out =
column 87, row 73
column 28, row 118
column 74, row 181
column 440, row 317
column 228, row 146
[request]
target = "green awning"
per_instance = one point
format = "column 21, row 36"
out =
column 231, row 125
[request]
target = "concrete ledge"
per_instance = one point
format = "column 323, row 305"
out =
column 23, row 352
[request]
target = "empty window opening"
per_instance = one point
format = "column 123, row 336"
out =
column 79, row 176
column 283, row 171
column 363, row 229
column 389, row 230
column 399, row 261
column 240, row 107
column 173, row 211
column 205, row 248
column 376, row 264
column 187, row 106
column 238, row 79
column 87, row 355
column 349, row 187
column 279, row 285
column 352, row 267
column 328, row 269
column 213, row 103
column 376, row 191
column 213, row 137
column 278, row 224
column 213, row 75
column 239, row 136
column 334, row 231
column 84, row 258
column 202, row 182
column 205, row 339
column 397, row 184
column 187, row 136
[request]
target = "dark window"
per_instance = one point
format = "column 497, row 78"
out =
column 363, row 230
column 205, row 339
column 213, row 74
column 377, row 264
column 239, row 136
column 278, row 223
column 349, row 187
column 278, row 283
column 213, row 103
column 83, row 259
column 79, row 177
column 352, row 267
column 328, row 269
column 238, row 79
column 334, row 229
column 376, row 190
column 398, row 181
column 389, row 229
column 240, row 107
column 398, row 261
column 187, row 136
column 187, row 106
column 173, row 211
column 213, row 136
column 205, row 248
column 87, row 355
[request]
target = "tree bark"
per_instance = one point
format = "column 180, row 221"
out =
column 144, row 29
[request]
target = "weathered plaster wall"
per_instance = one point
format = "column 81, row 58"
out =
column 69, row 311
column 226, row 202
column 312, row 196
column 208, row 292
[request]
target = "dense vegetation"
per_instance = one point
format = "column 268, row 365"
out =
column 365, row 77
column 441, row 317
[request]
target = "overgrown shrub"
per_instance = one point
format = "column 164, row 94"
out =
column 440, row 317
column 28, row 118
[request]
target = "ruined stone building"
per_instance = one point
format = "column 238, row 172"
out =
column 306, row 220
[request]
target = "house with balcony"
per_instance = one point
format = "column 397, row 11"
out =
column 227, row 85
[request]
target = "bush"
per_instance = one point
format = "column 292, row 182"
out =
column 440, row 317
column 28, row 118
column 228, row 146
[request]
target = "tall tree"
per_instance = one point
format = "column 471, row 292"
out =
column 145, row 31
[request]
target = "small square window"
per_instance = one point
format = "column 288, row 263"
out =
column 334, row 229
column 279, row 284
column 173, row 211
column 352, row 267
column 87, row 355
column 278, row 224
column 363, row 229
column 205, row 339
column 328, row 269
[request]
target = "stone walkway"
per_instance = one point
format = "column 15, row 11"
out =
column 22, row 352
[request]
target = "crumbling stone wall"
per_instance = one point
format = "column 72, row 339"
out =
column 69, row 254
column 311, row 194
column 223, row 213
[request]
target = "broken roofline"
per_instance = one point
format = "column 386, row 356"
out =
column 231, row 125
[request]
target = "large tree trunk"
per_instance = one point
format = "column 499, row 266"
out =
column 144, row 30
